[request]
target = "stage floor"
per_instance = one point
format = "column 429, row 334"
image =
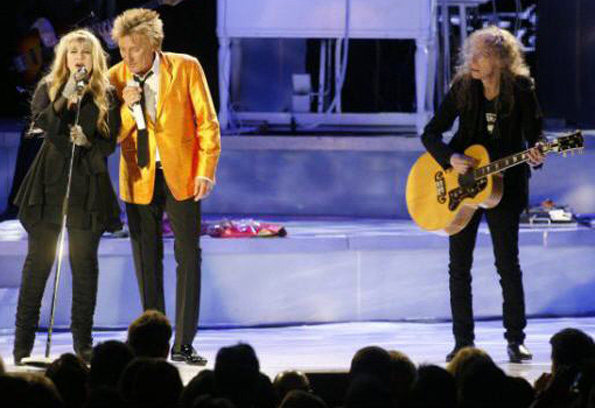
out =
column 330, row 347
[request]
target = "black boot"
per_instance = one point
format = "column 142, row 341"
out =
column 456, row 349
column 23, row 344
column 187, row 354
column 83, row 345
column 518, row 352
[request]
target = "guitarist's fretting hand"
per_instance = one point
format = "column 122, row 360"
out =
column 536, row 158
column 462, row 163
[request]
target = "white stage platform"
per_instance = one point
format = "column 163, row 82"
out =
column 328, row 271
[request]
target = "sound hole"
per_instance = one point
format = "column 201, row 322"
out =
column 467, row 180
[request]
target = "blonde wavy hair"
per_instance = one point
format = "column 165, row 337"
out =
column 139, row 21
column 465, row 356
column 99, row 84
column 498, row 43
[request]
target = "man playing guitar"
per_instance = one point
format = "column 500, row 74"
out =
column 494, row 99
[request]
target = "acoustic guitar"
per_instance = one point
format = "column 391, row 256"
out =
column 444, row 201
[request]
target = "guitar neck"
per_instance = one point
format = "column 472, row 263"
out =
column 153, row 4
column 502, row 164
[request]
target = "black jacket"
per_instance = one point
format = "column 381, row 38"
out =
column 518, row 126
column 93, row 203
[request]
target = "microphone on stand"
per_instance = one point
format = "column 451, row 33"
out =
column 137, row 110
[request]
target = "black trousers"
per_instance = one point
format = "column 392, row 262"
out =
column 83, row 245
column 146, row 235
column 503, row 222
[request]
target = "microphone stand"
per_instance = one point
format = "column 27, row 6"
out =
column 46, row 361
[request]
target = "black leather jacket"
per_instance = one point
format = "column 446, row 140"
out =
column 518, row 127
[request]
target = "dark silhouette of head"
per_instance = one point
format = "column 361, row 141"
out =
column 482, row 384
column 464, row 358
column 203, row 384
column 301, row 399
column 237, row 375
column 206, row 401
column 127, row 380
column 69, row 374
column 571, row 347
column 151, row 383
column 585, row 384
column 373, row 361
column 435, row 388
column 31, row 390
column 104, row 397
column 149, row 335
column 518, row 393
column 290, row 380
column 108, row 362
column 367, row 391
column 404, row 374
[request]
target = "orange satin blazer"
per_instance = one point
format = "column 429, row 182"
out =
column 186, row 131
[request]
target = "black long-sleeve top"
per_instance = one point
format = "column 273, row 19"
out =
column 518, row 126
column 93, row 203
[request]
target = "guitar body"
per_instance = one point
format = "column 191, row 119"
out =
column 442, row 200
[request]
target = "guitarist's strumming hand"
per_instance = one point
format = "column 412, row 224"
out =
column 462, row 163
column 536, row 157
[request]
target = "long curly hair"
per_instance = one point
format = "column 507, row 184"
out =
column 99, row 84
column 497, row 43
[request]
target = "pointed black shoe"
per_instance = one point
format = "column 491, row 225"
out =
column 456, row 349
column 85, row 353
column 518, row 352
column 19, row 356
column 187, row 354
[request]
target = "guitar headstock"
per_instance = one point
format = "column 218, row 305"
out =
column 567, row 143
column 170, row 2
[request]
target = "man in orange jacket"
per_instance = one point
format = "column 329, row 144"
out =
column 170, row 146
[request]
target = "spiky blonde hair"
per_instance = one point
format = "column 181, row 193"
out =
column 142, row 22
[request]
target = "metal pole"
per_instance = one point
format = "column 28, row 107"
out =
column 60, row 249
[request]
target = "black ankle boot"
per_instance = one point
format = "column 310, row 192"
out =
column 518, row 352
column 456, row 349
column 23, row 344
column 83, row 345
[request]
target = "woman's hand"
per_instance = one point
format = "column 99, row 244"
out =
column 70, row 92
column 78, row 137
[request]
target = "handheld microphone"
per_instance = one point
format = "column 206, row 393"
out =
column 81, row 82
column 137, row 110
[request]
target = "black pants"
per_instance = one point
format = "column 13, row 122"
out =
column 503, row 222
column 83, row 245
column 146, row 235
